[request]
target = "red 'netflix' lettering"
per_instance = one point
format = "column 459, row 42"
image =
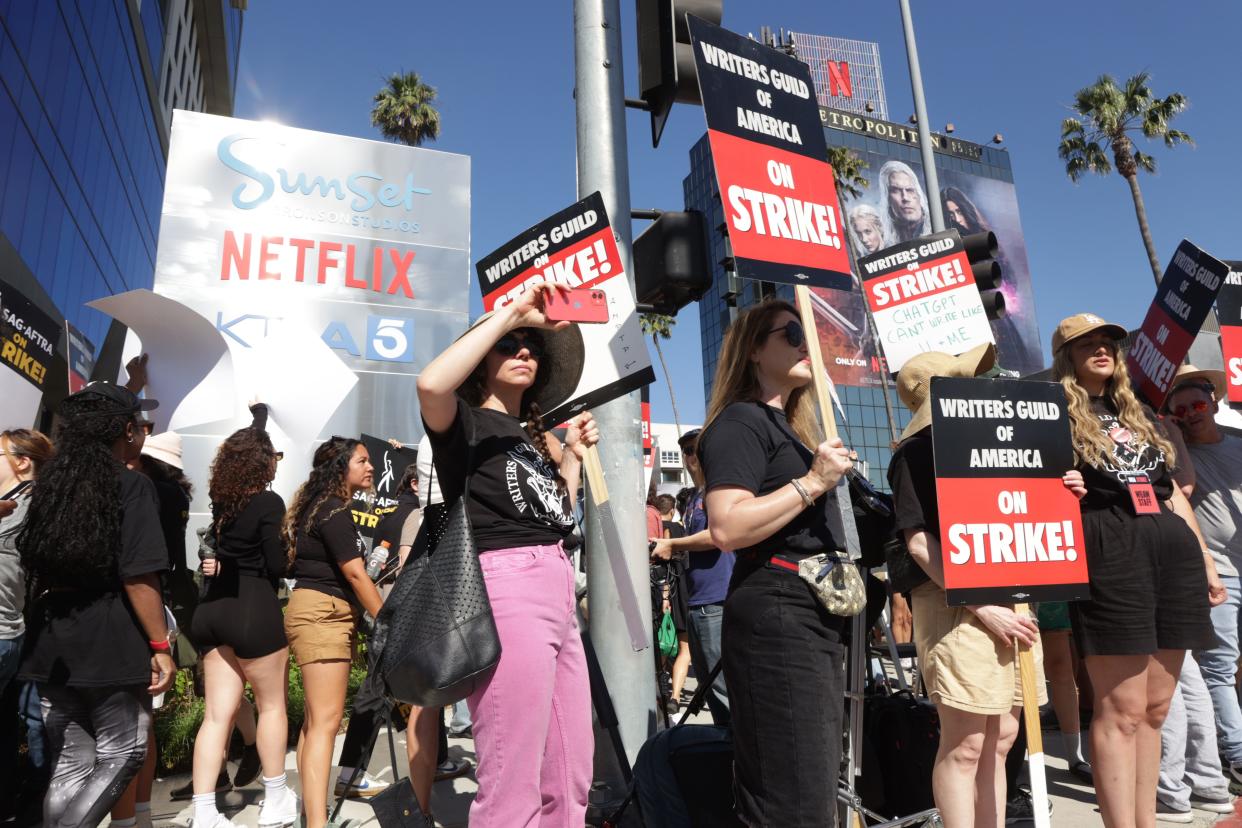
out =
column 278, row 258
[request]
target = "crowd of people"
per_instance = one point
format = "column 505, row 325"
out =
column 99, row 607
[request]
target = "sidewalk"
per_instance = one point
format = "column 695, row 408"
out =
column 1073, row 803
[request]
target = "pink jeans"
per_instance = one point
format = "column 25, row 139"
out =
column 532, row 720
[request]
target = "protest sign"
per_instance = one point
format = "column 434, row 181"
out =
column 28, row 338
column 923, row 297
column 1183, row 300
column 81, row 352
column 389, row 463
column 1009, row 529
column 780, row 197
column 576, row 248
column 1229, row 314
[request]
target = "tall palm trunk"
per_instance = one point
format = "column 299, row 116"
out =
column 669, row 382
column 1140, row 210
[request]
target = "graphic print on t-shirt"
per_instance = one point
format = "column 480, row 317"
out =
column 533, row 486
column 1131, row 458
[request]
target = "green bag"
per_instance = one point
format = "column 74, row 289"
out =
column 668, row 636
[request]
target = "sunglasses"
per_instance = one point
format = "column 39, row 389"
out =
column 509, row 345
column 279, row 455
column 1198, row 406
column 794, row 334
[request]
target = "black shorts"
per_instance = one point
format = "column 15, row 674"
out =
column 241, row 612
column 1148, row 586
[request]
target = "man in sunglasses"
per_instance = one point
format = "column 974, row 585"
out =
column 1216, row 495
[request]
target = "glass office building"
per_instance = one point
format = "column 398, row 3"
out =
column 976, row 180
column 87, row 90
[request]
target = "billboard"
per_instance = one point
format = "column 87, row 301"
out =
column 313, row 256
column 893, row 208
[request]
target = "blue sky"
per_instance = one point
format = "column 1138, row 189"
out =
column 504, row 72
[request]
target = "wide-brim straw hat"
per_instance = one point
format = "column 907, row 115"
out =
column 914, row 379
column 565, row 355
column 1190, row 375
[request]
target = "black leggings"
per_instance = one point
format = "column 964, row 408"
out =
column 98, row 741
column 784, row 664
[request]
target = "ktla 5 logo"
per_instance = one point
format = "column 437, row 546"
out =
column 388, row 339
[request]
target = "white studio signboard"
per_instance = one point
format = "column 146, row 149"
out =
column 334, row 268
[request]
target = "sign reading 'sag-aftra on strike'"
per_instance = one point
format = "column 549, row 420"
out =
column 923, row 298
column 780, row 197
column 1185, row 296
column 1009, row 529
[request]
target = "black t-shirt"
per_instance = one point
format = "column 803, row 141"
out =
column 86, row 635
column 1131, row 460
column 333, row 540
column 912, row 477
column 250, row 543
column 174, row 514
column 515, row 496
column 674, row 529
column 750, row 445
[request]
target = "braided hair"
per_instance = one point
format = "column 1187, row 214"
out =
column 474, row 391
column 328, row 479
column 73, row 524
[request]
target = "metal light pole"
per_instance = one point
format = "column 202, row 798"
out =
column 920, row 113
column 603, row 166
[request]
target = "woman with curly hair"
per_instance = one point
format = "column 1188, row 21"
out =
column 1152, row 578
column 238, row 627
column 483, row 398
column 329, row 563
column 97, row 643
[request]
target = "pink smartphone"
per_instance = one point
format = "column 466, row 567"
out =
column 578, row 305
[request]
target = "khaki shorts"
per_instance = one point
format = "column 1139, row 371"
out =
column 962, row 664
column 319, row 627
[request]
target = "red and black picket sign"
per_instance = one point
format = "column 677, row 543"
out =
column 1009, row 529
column 1184, row 299
column 780, row 199
column 923, row 297
column 1229, row 314
column 389, row 464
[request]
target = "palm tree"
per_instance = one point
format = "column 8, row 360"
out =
column 1108, row 115
column 660, row 327
column 403, row 110
column 847, row 167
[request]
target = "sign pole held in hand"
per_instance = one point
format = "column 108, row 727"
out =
column 634, row 623
column 1034, row 730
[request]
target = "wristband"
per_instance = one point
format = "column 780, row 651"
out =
column 160, row 646
column 807, row 501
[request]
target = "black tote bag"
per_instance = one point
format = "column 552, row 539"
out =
column 436, row 634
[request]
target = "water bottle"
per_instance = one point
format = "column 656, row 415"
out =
column 206, row 552
column 376, row 560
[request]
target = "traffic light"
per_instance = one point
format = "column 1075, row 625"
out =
column 670, row 262
column 981, row 250
column 665, row 58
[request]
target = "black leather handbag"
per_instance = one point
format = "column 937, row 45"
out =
column 436, row 634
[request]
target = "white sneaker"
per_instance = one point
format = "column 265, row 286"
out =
column 1216, row 805
column 219, row 821
column 279, row 811
column 365, row 786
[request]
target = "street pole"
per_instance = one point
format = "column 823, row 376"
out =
column 603, row 166
column 920, row 113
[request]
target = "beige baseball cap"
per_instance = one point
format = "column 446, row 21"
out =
column 1072, row 327
column 914, row 379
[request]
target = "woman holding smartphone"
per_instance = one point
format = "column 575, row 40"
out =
column 771, row 497
column 483, row 398
column 332, row 592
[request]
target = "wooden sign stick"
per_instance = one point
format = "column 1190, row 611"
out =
column 1034, row 733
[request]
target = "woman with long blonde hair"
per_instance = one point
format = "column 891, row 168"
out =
column 1151, row 577
column 771, row 498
